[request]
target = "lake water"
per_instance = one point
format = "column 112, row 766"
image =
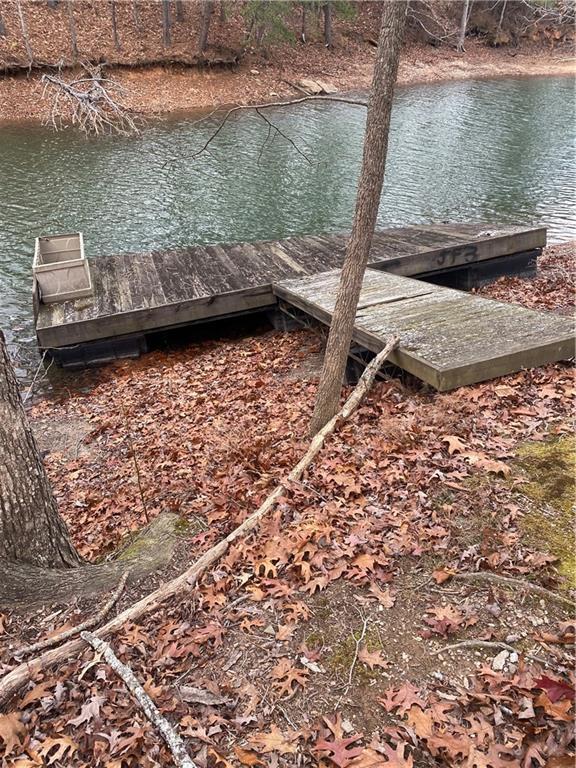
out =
column 499, row 151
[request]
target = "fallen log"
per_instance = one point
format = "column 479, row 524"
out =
column 11, row 683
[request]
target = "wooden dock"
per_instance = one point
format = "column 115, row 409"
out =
column 448, row 338
column 137, row 293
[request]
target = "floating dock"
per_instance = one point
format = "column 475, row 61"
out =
column 136, row 294
column 448, row 338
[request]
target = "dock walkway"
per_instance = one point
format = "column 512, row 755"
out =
column 448, row 338
column 143, row 292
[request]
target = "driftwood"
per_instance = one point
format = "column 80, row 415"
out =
column 92, row 103
column 506, row 581
column 172, row 739
column 20, row 675
column 93, row 621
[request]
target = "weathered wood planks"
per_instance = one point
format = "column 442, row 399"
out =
column 447, row 338
column 142, row 292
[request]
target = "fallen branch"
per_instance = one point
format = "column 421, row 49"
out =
column 172, row 739
column 14, row 680
column 93, row 621
column 507, row 581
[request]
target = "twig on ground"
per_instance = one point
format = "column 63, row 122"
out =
column 507, row 581
column 168, row 733
column 358, row 641
column 93, row 621
column 185, row 582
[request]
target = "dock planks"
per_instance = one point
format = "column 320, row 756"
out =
column 143, row 292
column 448, row 338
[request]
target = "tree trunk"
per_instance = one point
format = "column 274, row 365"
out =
column 207, row 10
column 114, row 25
column 24, row 29
column 136, row 16
column 463, row 25
column 367, row 203
column 2, row 27
column 179, row 10
column 31, row 530
column 328, row 25
column 504, row 4
column 72, row 29
column 166, row 36
column 303, row 25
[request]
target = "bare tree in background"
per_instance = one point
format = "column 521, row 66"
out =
column 136, row 16
column 114, row 25
column 24, row 29
column 31, row 529
column 365, row 215
column 179, row 10
column 328, row 18
column 207, row 11
column 72, row 30
column 463, row 24
column 166, row 32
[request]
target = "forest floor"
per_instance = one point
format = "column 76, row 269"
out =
column 162, row 89
column 320, row 639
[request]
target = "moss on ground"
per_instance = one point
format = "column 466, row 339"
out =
column 548, row 467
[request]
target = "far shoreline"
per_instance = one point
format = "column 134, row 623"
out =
column 161, row 91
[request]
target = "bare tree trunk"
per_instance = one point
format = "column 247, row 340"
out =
column 72, row 29
column 166, row 36
column 136, row 16
column 179, row 10
column 504, row 4
column 31, row 530
column 24, row 29
column 207, row 10
column 367, row 203
column 114, row 25
column 463, row 25
column 328, row 24
column 303, row 27
column 2, row 27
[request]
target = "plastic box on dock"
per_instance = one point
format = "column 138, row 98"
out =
column 60, row 268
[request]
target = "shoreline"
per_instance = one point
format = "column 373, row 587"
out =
column 159, row 90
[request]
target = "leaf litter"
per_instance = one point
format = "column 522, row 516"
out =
column 312, row 641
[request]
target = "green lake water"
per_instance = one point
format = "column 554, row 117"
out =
column 498, row 151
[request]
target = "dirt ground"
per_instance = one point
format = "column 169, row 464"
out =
column 324, row 638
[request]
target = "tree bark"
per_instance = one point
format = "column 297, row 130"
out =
column 207, row 10
column 367, row 203
column 328, row 24
column 179, row 10
column 114, row 25
column 72, row 29
column 31, row 530
column 166, row 36
column 24, row 29
column 463, row 25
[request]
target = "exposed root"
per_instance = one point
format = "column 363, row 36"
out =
column 93, row 621
column 507, row 581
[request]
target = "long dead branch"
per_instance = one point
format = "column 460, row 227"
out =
column 14, row 680
column 93, row 621
column 170, row 736
column 507, row 581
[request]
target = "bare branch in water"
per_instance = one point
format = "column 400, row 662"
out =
column 93, row 104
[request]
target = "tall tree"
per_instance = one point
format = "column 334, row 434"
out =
column 114, row 25
column 166, row 24
column 31, row 530
column 179, row 10
column 72, row 30
column 366, row 211
column 328, row 17
column 206, row 17
column 463, row 24
column 24, row 29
